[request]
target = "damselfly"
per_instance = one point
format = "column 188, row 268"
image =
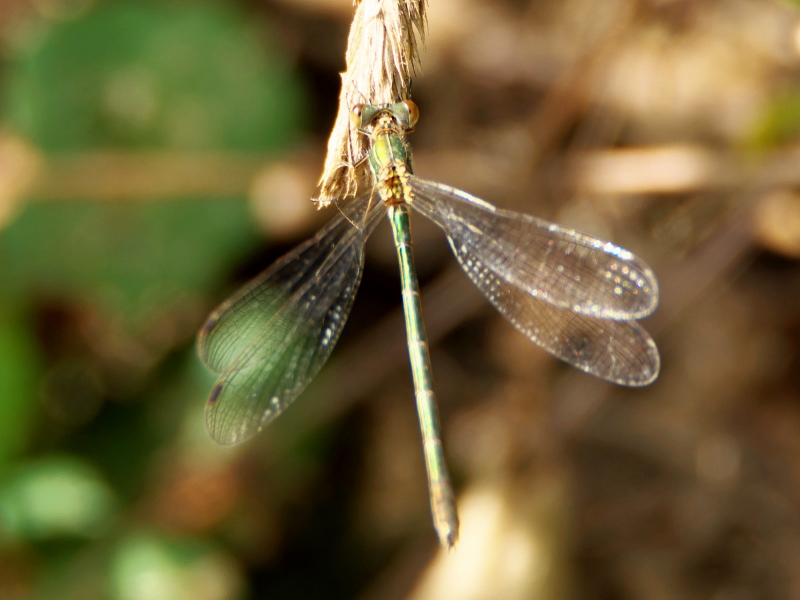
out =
column 575, row 296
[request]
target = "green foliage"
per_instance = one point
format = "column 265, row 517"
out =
column 132, row 261
column 19, row 369
column 123, row 76
column 780, row 121
column 153, row 567
column 153, row 75
column 142, row 75
column 55, row 497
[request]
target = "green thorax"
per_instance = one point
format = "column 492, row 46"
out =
column 389, row 148
column 389, row 157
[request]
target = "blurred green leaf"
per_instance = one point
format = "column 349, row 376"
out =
column 183, row 76
column 19, row 369
column 779, row 123
column 151, row 567
column 54, row 497
column 143, row 75
column 131, row 259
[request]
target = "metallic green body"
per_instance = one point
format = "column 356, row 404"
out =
column 445, row 518
column 390, row 162
column 389, row 151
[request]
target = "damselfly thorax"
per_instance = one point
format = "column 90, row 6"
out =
column 389, row 158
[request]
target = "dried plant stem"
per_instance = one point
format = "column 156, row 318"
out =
column 382, row 54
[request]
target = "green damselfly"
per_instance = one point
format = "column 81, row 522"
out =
column 575, row 296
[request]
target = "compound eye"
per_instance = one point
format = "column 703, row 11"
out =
column 355, row 115
column 413, row 112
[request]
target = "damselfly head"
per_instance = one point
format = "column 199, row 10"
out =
column 404, row 114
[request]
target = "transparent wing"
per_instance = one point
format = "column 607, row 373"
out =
column 618, row 351
column 556, row 265
column 272, row 337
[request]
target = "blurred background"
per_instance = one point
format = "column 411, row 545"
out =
column 155, row 155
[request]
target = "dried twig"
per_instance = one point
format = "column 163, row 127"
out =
column 382, row 55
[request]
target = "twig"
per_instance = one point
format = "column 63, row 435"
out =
column 382, row 55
